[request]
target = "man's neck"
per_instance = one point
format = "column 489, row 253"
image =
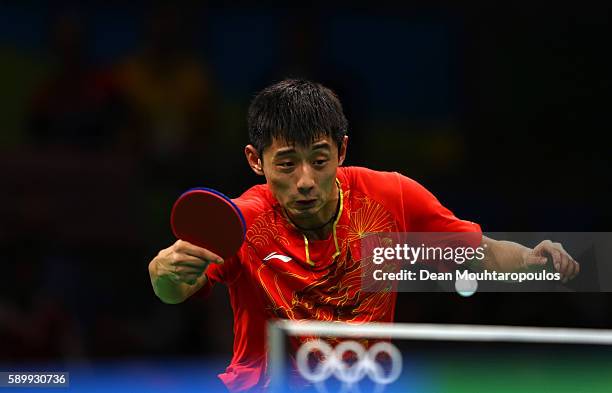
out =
column 323, row 232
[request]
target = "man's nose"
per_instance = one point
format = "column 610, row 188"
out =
column 305, row 179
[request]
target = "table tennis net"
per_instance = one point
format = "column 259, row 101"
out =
column 326, row 357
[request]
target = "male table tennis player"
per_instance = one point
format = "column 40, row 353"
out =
column 300, row 258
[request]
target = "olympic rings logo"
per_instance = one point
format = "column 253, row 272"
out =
column 332, row 362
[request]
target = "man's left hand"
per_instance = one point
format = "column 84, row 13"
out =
column 562, row 261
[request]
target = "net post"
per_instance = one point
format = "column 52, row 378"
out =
column 276, row 356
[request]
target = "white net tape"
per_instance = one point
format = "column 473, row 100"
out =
column 331, row 361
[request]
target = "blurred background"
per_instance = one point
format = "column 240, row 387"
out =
column 109, row 112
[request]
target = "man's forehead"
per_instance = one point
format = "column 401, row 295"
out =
column 280, row 146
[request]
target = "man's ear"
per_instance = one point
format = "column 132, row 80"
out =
column 342, row 150
column 253, row 159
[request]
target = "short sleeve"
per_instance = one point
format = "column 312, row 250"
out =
column 226, row 273
column 422, row 212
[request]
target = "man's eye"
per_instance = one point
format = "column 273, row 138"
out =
column 287, row 164
column 320, row 162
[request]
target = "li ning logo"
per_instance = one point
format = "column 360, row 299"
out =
column 274, row 255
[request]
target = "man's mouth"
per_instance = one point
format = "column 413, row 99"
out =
column 305, row 203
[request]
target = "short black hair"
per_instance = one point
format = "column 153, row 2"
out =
column 295, row 111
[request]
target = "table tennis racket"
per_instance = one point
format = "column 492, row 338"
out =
column 208, row 219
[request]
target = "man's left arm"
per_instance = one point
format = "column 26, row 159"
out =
column 506, row 256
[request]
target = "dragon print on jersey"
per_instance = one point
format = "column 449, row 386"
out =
column 330, row 294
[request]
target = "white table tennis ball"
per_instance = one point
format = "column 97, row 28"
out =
column 466, row 287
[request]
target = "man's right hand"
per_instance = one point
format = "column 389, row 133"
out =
column 184, row 262
column 176, row 269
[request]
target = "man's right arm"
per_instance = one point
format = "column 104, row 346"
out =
column 177, row 272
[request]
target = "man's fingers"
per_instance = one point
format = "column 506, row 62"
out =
column 556, row 257
column 573, row 268
column 577, row 268
column 568, row 266
column 569, row 270
column 564, row 267
column 190, row 278
column 188, row 268
column 182, row 246
column 562, row 260
column 188, row 261
column 184, row 262
column 537, row 260
column 186, row 276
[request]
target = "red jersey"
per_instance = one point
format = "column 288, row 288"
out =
column 278, row 273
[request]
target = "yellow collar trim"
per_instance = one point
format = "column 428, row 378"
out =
column 307, row 252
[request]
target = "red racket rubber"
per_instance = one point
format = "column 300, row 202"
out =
column 208, row 219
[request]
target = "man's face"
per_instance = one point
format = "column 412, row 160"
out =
column 303, row 178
